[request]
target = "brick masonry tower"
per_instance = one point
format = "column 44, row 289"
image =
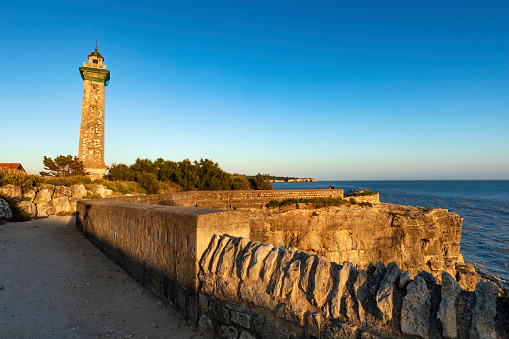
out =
column 91, row 151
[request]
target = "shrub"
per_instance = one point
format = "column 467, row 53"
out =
column 363, row 194
column 26, row 181
column 149, row 182
column 240, row 183
column 261, row 182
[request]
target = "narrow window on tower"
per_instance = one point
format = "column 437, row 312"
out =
column 95, row 61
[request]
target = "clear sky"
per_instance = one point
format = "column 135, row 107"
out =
column 335, row 90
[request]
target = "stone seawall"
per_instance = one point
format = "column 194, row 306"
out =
column 228, row 199
column 158, row 245
column 252, row 290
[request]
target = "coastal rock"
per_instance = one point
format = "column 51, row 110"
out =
column 385, row 294
column 78, row 191
column 415, row 312
column 5, row 210
column 45, row 210
column 62, row 191
column 61, row 204
column 49, row 187
column 467, row 277
column 485, row 310
column 43, row 196
column 447, row 311
column 11, row 191
column 28, row 207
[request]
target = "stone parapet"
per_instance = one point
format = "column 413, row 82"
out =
column 253, row 290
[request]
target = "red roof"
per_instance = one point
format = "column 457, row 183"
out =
column 13, row 166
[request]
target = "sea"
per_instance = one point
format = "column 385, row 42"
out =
column 483, row 204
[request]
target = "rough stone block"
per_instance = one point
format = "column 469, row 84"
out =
column 241, row 319
column 227, row 332
column 447, row 311
column 62, row 191
column 415, row 312
column 385, row 294
column 484, row 312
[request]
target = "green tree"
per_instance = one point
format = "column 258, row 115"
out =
column 62, row 166
column 212, row 177
column 261, row 182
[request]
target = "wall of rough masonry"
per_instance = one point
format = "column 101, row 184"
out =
column 254, row 290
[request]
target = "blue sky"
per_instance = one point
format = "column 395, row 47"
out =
column 344, row 90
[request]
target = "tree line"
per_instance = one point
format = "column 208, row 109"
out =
column 198, row 175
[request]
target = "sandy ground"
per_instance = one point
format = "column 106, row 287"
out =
column 55, row 284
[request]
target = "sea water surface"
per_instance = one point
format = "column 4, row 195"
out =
column 484, row 205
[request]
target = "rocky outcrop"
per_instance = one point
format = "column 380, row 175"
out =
column 256, row 289
column 414, row 237
column 5, row 210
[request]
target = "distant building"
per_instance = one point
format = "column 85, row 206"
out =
column 13, row 167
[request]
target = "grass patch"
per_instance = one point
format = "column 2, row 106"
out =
column 406, row 215
column 317, row 202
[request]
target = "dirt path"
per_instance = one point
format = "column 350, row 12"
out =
column 55, row 284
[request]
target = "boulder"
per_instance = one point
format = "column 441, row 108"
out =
column 61, row 204
column 11, row 191
column 485, row 310
column 102, row 191
column 447, row 311
column 416, row 309
column 43, row 196
column 62, row 191
column 78, row 191
column 28, row 207
column 5, row 210
column 31, row 194
column 49, row 187
column 45, row 210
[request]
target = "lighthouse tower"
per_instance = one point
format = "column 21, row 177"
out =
column 91, row 148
